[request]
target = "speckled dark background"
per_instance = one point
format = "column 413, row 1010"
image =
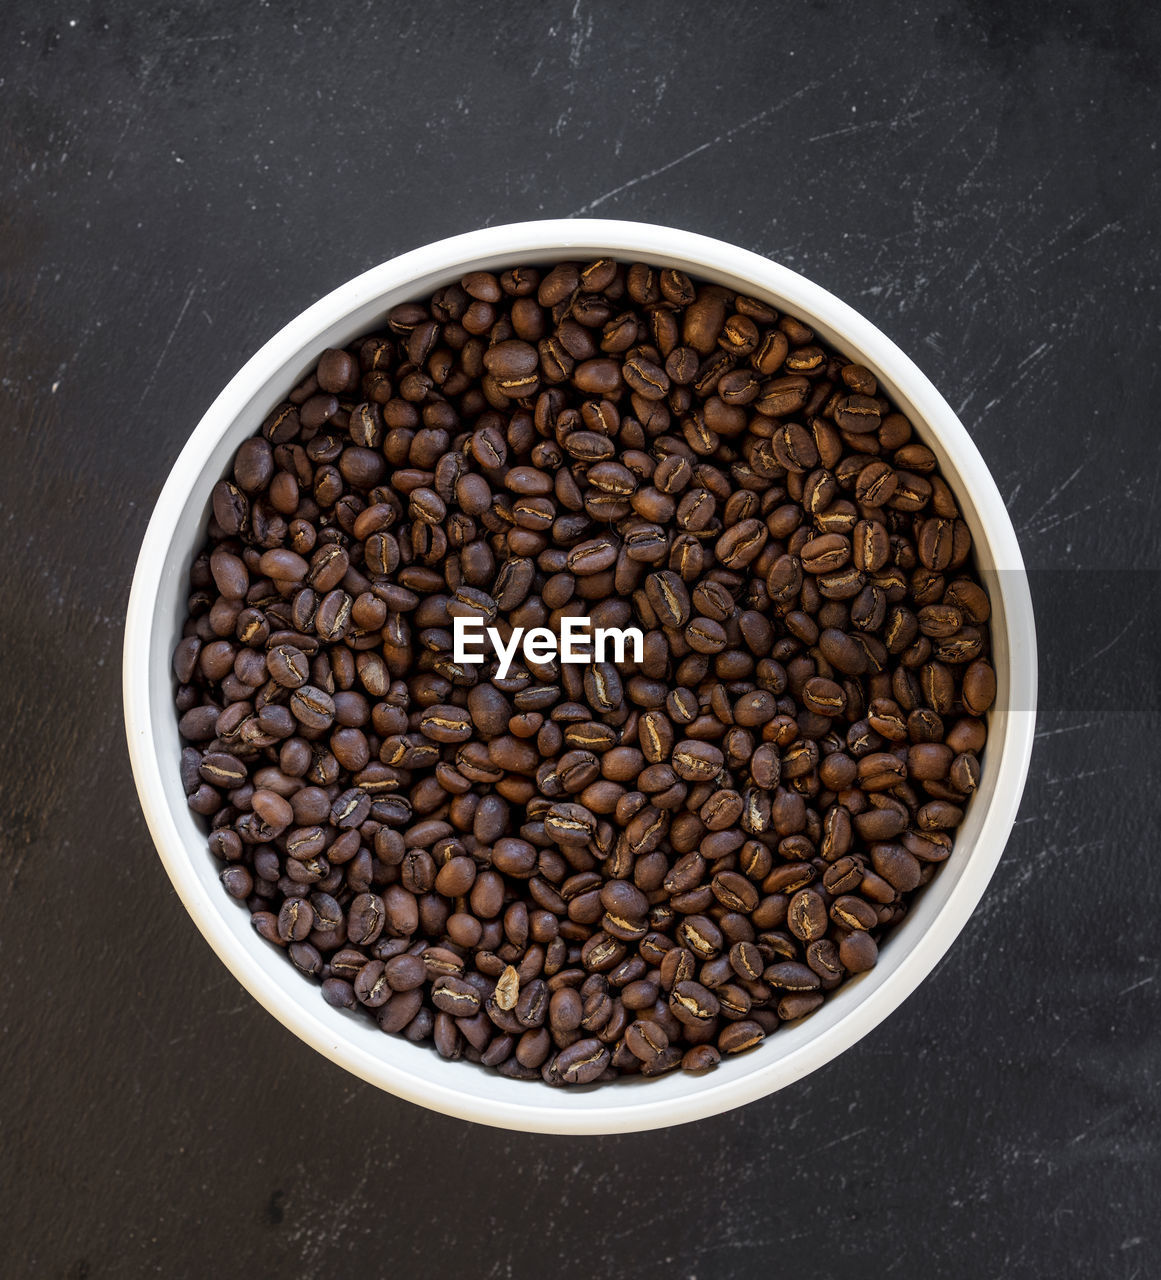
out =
column 177, row 181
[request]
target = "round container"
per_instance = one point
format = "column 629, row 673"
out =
column 156, row 614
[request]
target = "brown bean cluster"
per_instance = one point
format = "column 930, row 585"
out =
column 580, row 871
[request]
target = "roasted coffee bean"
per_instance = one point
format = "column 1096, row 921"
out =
column 455, row 996
column 740, row 1036
column 645, row 1040
column 295, row 920
column 582, row 1062
column 697, row 761
column 446, row 724
column 897, row 866
column 365, row 919
column 371, row 985
column 702, row 1057
column 700, row 935
column 639, row 860
column 405, row 972
column 692, row 1003
column 565, row 1010
column 669, row 598
column 964, row 773
column 798, row 1006
column 746, row 961
column 312, row 707
column 853, row 913
column 531, row 1007
column 791, row 975
column 857, row 952
column 679, row 965
column 806, row 915
column 979, row 687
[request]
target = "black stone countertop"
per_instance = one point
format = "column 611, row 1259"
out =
column 982, row 180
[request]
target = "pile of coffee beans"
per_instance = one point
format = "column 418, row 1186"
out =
column 577, row 872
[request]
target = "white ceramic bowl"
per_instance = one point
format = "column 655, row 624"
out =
column 155, row 618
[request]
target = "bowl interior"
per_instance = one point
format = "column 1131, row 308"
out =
column 416, row 1072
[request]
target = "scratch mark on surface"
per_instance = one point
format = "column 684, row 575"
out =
column 149, row 65
column 1033, row 354
column 1053, row 521
column 1065, row 1042
column 1065, row 253
column 971, row 395
column 846, row 1137
column 1100, row 1124
column 580, row 37
column 984, row 157
column 861, row 126
column 1067, row 728
column 695, row 151
column 1076, row 777
column 169, row 341
column 1132, row 622
column 1057, row 491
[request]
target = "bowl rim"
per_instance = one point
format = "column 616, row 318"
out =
column 525, row 241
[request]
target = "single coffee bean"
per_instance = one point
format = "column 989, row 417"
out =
column 740, row 1036
column 798, row 1006
column 858, row 952
column 806, row 915
column 455, row 996
column 697, row 761
column 692, row 1003
column 702, row 1057
column 582, row 1062
column 446, row 724
column 645, row 1040
column 405, row 972
column 853, row 913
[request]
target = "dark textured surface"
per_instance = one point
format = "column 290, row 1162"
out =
column 982, row 180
